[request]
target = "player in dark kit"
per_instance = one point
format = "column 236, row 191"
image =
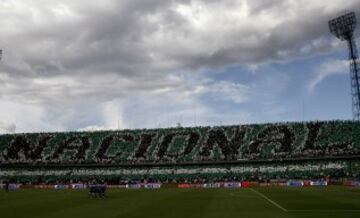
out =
column 97, row 190
column 6, row 186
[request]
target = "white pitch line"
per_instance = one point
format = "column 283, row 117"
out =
column 268, row 199
column 340, row 210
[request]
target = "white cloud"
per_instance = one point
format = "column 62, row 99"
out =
column 112, row 113
column 79, row 63
column 92, row 128
column 224, row 90
column 7, row 127
column 19, row 117
column 328, row 68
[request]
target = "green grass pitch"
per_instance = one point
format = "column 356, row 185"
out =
column 277, row 202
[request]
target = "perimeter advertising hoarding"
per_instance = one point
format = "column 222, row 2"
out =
column 281, row 184
column 14, row 186
column 295, row 183
column 133, row 186
column 60, row 186
column 42, row 186
column 184, row 185
column 307, row 183
column 245, row 184
column 318, row 183
column 78, row 186
column 200, row 185
column 212, row 185
column 152, row 185
column 11, row 186
column 232, row 185
column 115, row 186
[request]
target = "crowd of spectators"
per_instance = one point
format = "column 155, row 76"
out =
column 293, row 170
column 164, row 153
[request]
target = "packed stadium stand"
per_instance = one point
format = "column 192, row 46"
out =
column 257, row 151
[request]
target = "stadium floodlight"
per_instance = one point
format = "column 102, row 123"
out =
column 343, row 28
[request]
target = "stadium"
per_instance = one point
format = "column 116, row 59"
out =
column 287, row 168
column 228, row 167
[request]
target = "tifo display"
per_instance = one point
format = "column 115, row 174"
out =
column 223, row 143
column 247, row 152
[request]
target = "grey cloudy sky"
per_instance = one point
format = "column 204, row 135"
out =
column 83, row 64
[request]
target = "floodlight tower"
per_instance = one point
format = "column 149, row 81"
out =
column 343, row 28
